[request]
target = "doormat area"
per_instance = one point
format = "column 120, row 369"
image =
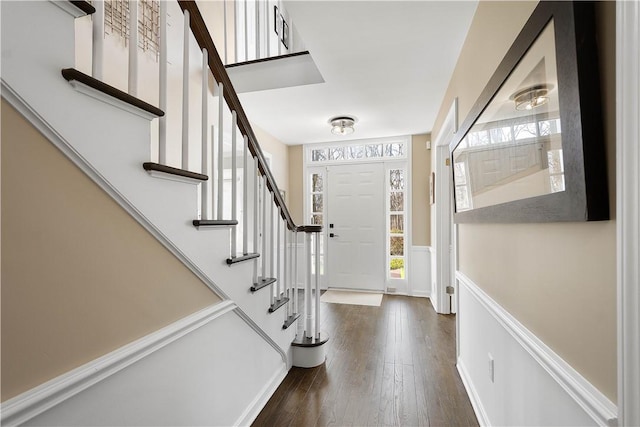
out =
column 335, row 296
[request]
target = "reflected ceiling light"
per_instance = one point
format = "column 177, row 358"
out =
column 342, row 125
column 532, row 97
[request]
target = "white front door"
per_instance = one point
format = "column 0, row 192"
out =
column 355, row 217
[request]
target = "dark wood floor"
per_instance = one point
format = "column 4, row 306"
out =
column 389, row 365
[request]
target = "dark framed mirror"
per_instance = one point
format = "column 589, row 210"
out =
column 532, row 147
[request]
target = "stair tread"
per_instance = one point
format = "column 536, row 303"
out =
column 150, row 166
column 279, row 303
column 214, row 222
column 245, row 257
column 290, row 320
column 262, row 283
column 84, row 6
column 71, row 74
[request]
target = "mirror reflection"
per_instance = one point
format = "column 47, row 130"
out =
column 514, row 150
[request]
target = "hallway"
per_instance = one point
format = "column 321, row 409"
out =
column 387, row 365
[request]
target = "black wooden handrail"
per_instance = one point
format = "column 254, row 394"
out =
column 202, row 36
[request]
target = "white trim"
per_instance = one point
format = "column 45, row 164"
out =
column 68, row 7
column 419, row 294
column 47, row 395
column 67, row 149
column 108, row 99
column 590, row 399
column 254, row 408
column 474, row 397
column 172, row 177
column 628, row 208
column 442, row 213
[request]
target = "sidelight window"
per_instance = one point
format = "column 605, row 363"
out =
column 396, row 208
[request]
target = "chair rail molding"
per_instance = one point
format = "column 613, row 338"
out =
column 628, row 209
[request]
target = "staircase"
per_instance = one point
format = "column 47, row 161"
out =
column 225, row 219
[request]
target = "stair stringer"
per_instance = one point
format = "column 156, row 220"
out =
column 110, row 145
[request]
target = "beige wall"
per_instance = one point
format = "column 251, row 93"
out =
column 279, row 157
column 296, row 197
column 420, row 208
column 80, row 277
column 558, row 279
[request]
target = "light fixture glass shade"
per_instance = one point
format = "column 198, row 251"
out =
column 531, row 98
column 342, row 126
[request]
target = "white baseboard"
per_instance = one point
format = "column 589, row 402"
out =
column 253, row 410
column 522, row 359
column 474, row 397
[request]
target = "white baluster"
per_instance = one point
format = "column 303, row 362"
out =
column 234, row 182
column 224, row 5
column 278, row 256
column 272, row 233
column 205, row 137
column 285, row 268
column 246, row 32
column 245, row 197
column 133, row 47
column 235, row 31
column 295, row 273
column 264, row 227
column 213, row 168
column 317, row 284
column 267, row 32
column 256, row 218
column 220, row 148
column 98, row 40
column 257, row 3
column 308, row 333
column 185, row 93
column 282, row 29
column 162, row 81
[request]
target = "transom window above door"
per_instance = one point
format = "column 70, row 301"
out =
column 371, row 151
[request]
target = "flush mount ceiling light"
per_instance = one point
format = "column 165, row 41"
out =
column 342, row 125
column 532, row 97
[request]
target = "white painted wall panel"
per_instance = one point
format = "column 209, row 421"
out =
column 193, row 381
column 532, row 386
column 420, row 271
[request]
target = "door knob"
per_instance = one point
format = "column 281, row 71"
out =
column 333, row 235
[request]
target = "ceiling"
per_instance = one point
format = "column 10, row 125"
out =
column 386, row 63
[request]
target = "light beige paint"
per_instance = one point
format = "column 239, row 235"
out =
column 558, row 279
column 420, row 172
column 296, row 190
column 279, row 158
column 80, row 277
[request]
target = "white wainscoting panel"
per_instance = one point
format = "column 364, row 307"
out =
column 532, row 385
column 420, row 271
column 217, row 374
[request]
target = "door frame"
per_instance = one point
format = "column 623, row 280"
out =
column 443, row 228
column 308, row 166
column 627, row 209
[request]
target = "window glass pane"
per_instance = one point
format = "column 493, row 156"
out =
column 394, row 150
column 463, row 201
column 316, row 219
column 524, row 131
column 396, row 179
column 502, row 134
column 316, row 183
column 557, row 183
column 336, row 153
column 396, row 268
column 460, row 173
column 396, row 245
column 317, row 203
column 396, row 224
column 354, row 152
column 373, row 150
column 396, row 201
column 319, row 155
column 554, row 158
column 549, row 127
